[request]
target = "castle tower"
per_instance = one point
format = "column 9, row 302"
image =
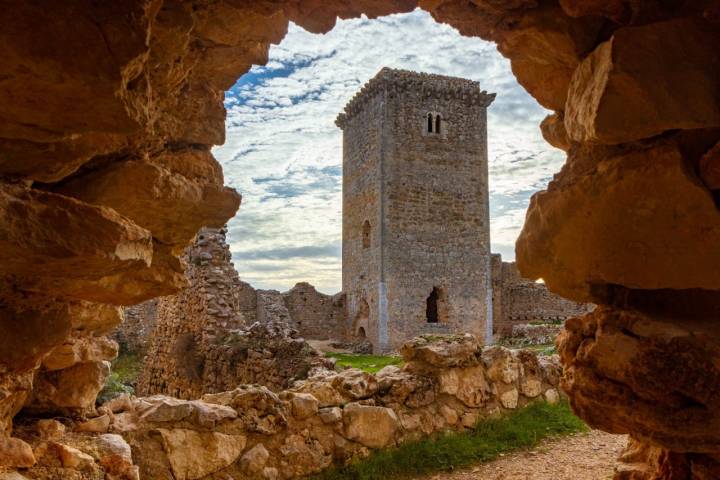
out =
column 416, row 237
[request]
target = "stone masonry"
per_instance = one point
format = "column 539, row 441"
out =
column 518, row 301
column 416, row 239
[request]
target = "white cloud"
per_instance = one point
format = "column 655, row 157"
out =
column 283, row 151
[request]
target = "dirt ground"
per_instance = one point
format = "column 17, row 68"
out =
column 588, row 456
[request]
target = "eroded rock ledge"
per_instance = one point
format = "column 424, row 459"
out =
column 448, row 383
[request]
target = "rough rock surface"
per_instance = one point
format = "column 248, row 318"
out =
column 251, row 432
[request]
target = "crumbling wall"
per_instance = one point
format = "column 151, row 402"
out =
column 202, row 343
column 138, row 323
column 447, row 384
column 316, row 315
column 518, row 301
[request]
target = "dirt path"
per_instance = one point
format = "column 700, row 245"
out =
column 589, row 456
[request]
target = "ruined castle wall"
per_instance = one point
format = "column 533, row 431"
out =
column 316, row 315
column 138, row 322
column 247, row 302
column 517, row 300
column 436, row 212
column 202, row 342
column 361, row 204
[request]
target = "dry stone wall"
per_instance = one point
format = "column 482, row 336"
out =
column 447, row 384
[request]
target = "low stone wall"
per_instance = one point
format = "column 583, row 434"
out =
column 447, row 383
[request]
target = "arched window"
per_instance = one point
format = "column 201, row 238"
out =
column 436, row 310
column 366, row 234
column 361, row 332
column 437, row 123
column 430, row 122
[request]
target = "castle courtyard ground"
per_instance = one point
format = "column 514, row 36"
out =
column 585, row 456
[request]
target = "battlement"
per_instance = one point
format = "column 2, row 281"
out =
column 396, row 81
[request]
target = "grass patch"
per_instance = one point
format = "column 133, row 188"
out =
column 368, row 363
column 124, row 372
column 522, row 429
column 544, row 349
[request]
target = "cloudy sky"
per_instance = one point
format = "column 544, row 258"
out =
column 284, row 153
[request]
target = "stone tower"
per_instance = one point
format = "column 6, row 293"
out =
column 416, row 237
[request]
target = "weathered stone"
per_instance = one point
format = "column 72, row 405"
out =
column 194, row 455
column 99, row 424
column 374, row 427
column 254, row 459
column 303, row 405
column 82, row 349
column 74, row 388
column 468, row 385
column 553, row 131
column 164, row 198
column 168, row 409
column 544, row 48
column 509, row 398
column 355, row 383
column 439, row 351
column 552, row 396
column 502, row 364
column 71, row 457
column 577, row 242
column 644, row 81
column 652, row 374
column 14, row 453
column 49, row 429
column 330, row 415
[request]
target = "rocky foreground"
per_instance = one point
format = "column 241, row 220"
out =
column 447, row 383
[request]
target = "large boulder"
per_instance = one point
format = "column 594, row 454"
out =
column 194, row 455
column 374, row 427
column 646, row 80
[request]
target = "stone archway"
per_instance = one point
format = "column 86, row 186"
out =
column 103, row 185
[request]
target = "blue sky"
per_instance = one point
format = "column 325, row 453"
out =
column 283, row 151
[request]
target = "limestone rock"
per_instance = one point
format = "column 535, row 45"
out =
column 575, row 240
column 49, row 429
column 502, row 364
column 442, row 351
column 83, row 349
column 544, row 49
column 71, row 457
column 254, row 459
column 355, row 383
column 509, row 398
column 651, row 373
column 552, row 396
column 616, row 93
column 172, row 199
column 330, row 414
column 74, row 388
column 304, row 405
column 259, row 409
column 194, row 455
column 323, row 391
column 553, row 131
column 99, row 424
column 374, row 427
column 77, row 240
column 468, row 385
column 14, row 453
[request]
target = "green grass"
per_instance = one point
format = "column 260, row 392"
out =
column 368, row 363
column 124, row 372
column 522, row 429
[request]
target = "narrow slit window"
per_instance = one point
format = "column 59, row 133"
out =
column 437, row 124
column 366, row 230
column 429, row 122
